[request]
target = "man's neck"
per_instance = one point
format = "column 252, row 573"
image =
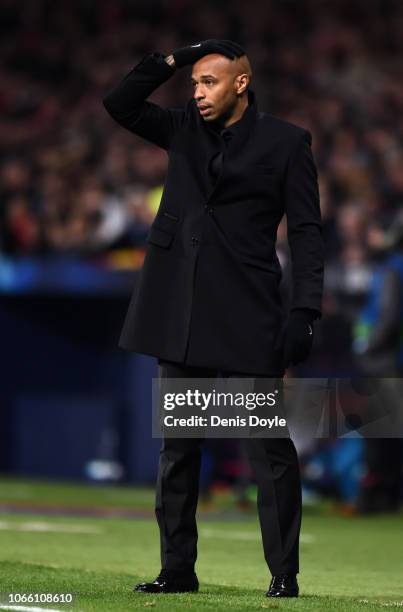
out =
column 237, row 114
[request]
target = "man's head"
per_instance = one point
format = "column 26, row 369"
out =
column 221, row 84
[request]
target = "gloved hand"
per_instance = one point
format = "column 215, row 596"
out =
column 191, row 54
column 298, row 336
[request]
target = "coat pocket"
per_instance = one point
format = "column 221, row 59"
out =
column 159, row 237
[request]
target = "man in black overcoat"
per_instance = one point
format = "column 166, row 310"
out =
column 208, row 300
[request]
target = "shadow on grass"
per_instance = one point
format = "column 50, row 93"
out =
column 108, row 591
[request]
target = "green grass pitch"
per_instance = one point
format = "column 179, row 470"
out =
column 346, row 563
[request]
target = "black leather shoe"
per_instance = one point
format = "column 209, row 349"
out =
column 169, row 582
column 283, row 585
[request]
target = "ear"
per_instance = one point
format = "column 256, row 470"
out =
column 242, row 82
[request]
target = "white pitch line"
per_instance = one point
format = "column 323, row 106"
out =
column 305, row 538
column 386, row 604
column 29, row 609
column 43, row 526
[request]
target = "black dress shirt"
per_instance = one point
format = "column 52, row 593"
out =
column 226, row 135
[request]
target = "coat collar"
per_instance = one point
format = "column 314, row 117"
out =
column 210, row 142
column 239, row 130
column 243, row 123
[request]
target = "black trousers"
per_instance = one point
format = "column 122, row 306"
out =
column 274, row 462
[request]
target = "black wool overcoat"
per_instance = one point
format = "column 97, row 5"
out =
column 208, row 293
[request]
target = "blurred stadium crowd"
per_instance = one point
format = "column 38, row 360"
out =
column 73, row 181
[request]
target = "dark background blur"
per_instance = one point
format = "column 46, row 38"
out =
column 78, row 193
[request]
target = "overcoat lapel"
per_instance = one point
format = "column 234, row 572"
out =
column 209, row 142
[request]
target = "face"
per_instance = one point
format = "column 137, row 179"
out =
column 217, row 83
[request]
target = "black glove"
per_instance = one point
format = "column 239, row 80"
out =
column 191, row 54
column 298, row 336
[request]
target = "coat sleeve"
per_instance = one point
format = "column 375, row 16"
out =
column 304, row 227
column 127, row 104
